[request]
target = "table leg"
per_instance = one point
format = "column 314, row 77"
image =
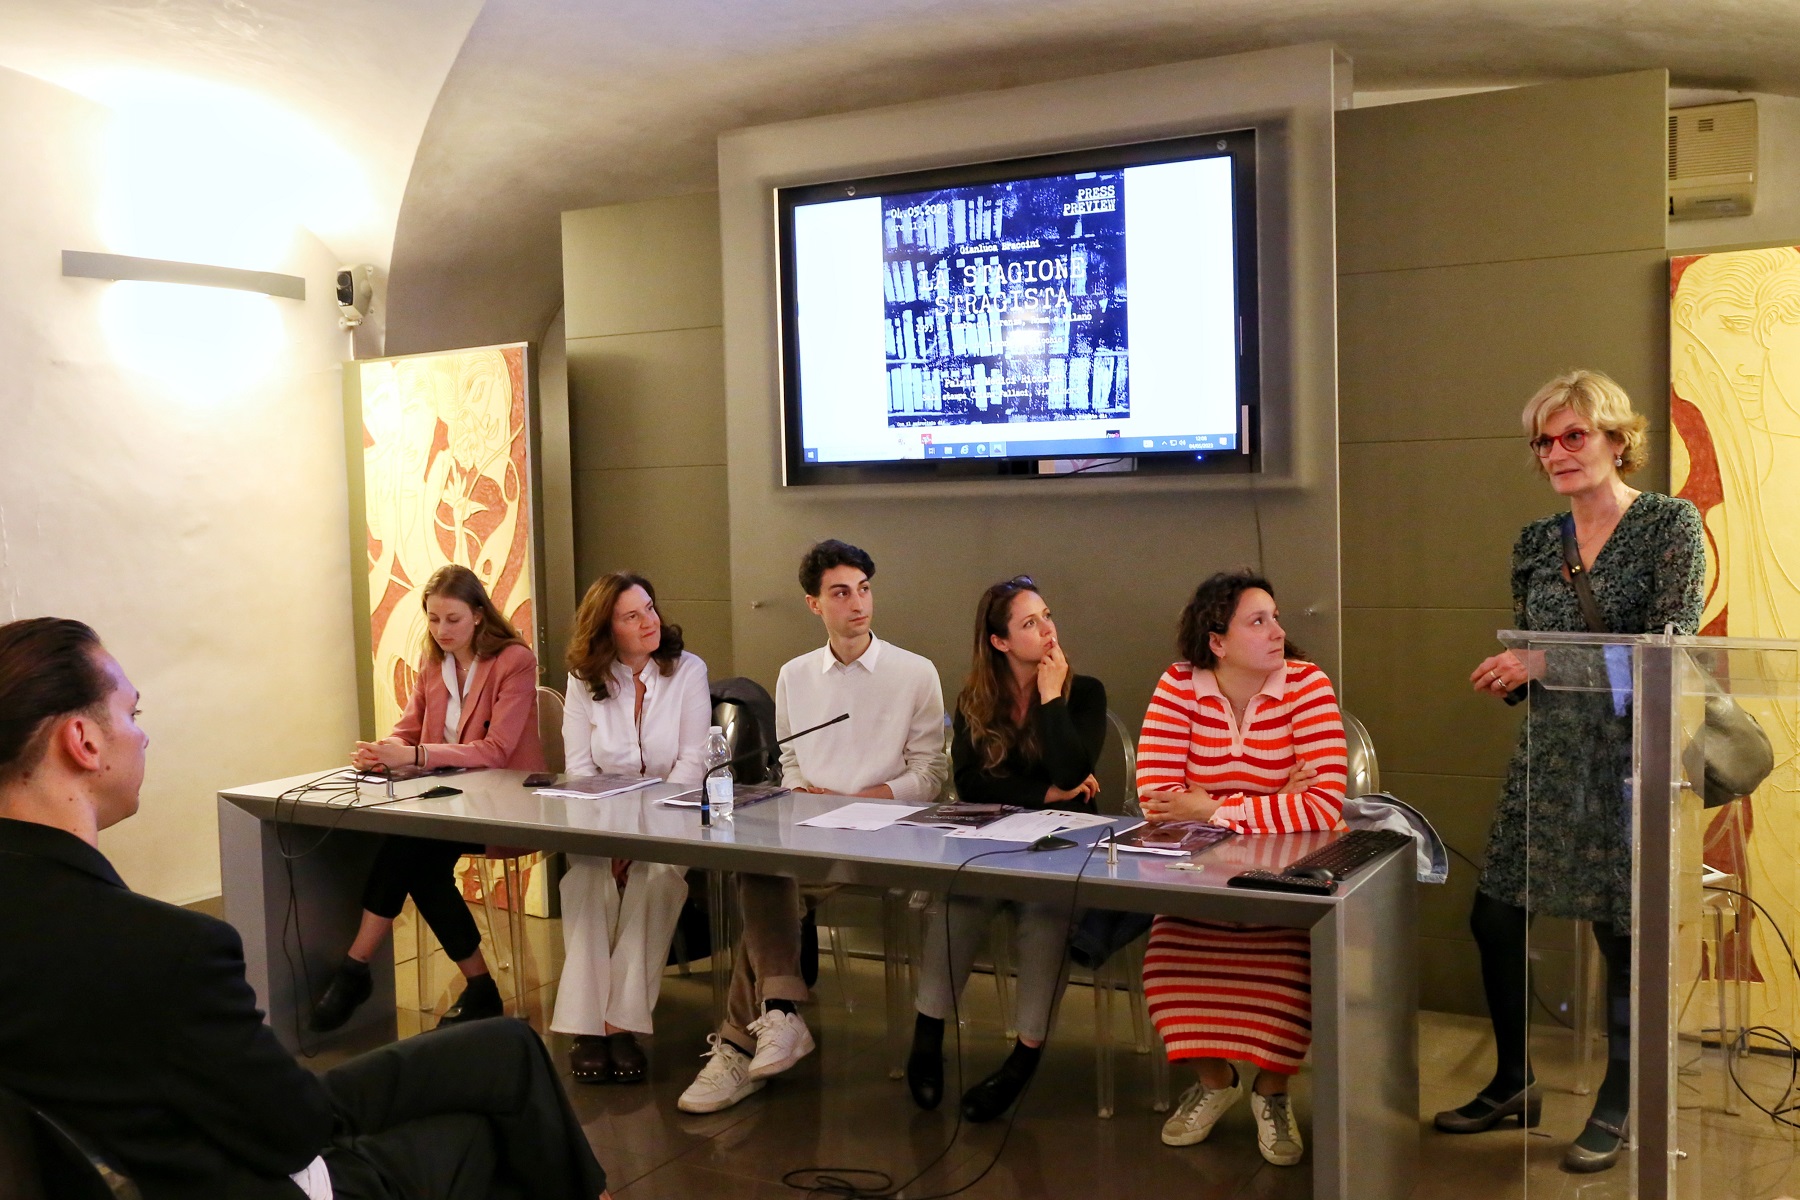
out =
column 291, row 950
column 896, row 942
column 718, row 916
column 1365, row 1040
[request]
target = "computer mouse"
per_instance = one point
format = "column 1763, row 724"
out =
column 1322, row 874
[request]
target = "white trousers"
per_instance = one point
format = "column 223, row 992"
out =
column 614, row 949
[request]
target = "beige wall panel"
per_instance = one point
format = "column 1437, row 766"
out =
column 1116, row 573
column 1454, row 352
column 636, row 268
column 1409, row 682
column 1450, row 981
column 705, row 630
column 649, row 399
column 1539, row 172
column 1432, row 524
column 667, row 523
column 1117, row 557
column 1460, row 808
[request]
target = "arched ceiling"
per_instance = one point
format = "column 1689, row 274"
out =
column 478, row 123
column 557, row 104
column 365, row 73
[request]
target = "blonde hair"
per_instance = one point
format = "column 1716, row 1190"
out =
column 1603, row 403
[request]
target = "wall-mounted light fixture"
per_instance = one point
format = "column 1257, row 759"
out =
column 85, row 264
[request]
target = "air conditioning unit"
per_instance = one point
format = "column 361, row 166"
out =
column 1712, row 160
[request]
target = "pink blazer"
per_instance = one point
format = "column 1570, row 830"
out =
column 499, row 715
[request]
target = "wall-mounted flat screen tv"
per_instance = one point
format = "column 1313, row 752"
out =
column 1030, row 316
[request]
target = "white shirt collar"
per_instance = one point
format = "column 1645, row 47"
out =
column 622, row 677
column 866, row 660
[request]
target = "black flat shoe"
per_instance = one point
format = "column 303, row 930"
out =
column 590, row 1061
column 925, row 1078
column 993, row 1096
column 343, row 996
column 1482, row 1113
column 1605, row 1141
column 480, row 999
column 628, row 1061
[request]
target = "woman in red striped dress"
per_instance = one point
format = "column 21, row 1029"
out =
column 1244, row 734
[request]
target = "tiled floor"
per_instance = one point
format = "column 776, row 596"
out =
column 839, row 1109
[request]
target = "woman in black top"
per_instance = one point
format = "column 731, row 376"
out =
column 1028, row 732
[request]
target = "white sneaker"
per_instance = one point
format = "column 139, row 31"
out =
column 1198, row 1111
column 1277, row 1133
column 722, row 1082
column 782, row 1039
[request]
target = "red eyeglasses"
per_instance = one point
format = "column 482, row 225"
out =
column 1572, row 440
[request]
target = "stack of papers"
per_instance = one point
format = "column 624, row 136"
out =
column 961, row 816
column 1030, row 826
column 598, row 787
column 1177, row 839
column 865, row 815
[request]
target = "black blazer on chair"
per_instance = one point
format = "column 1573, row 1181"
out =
column 130, row 1020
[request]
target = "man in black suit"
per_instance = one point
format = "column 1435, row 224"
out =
column 130, row 1020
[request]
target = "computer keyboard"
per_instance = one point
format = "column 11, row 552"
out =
column 1341, row 858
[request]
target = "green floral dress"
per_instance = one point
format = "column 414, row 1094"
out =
column 1561, row 841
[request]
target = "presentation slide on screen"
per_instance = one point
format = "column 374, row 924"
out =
column 1070, row 315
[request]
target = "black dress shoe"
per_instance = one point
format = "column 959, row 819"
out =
column 925, row 1078
column 994, row 1095
column 1604, row 1142
column 628, row 1062
column 1483, row 1113
column 347, row 990
column 590, row 1061
column 480, row 999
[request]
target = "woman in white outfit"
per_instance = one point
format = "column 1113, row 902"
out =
column 636, row 704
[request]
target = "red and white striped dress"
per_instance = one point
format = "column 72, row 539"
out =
column 1219, row 989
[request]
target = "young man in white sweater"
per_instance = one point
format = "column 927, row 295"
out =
column 892, row 747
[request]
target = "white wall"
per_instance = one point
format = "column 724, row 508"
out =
column 203, row 536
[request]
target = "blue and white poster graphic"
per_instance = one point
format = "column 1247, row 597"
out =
column 1006, row 302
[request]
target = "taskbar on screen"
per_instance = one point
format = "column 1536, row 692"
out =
column 1101, row 447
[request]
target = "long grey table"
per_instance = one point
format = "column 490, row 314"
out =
column 294, row 866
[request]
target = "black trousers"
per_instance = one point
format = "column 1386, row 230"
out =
column 466, row 1113
column 425, row 870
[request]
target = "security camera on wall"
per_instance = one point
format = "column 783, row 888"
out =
column 355, row 293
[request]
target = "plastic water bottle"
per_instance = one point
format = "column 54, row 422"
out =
column 718, row 786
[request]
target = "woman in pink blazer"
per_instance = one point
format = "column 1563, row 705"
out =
column 474, row 705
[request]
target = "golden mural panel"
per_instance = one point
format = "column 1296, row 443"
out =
column 446, row 479
column 1734, row 372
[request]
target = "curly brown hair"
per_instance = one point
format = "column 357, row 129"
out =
column 591, row 649
column 1210, row 611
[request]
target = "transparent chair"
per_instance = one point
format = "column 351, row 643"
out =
column 501, row 879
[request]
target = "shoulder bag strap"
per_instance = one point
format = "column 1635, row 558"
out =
column 1584, row 591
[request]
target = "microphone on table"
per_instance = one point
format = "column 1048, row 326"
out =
column 706, row 799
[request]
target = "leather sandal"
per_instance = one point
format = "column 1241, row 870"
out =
column 1483, row 1113
column 628, row 1062
column 1582, row 1161
column 590, row 1061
